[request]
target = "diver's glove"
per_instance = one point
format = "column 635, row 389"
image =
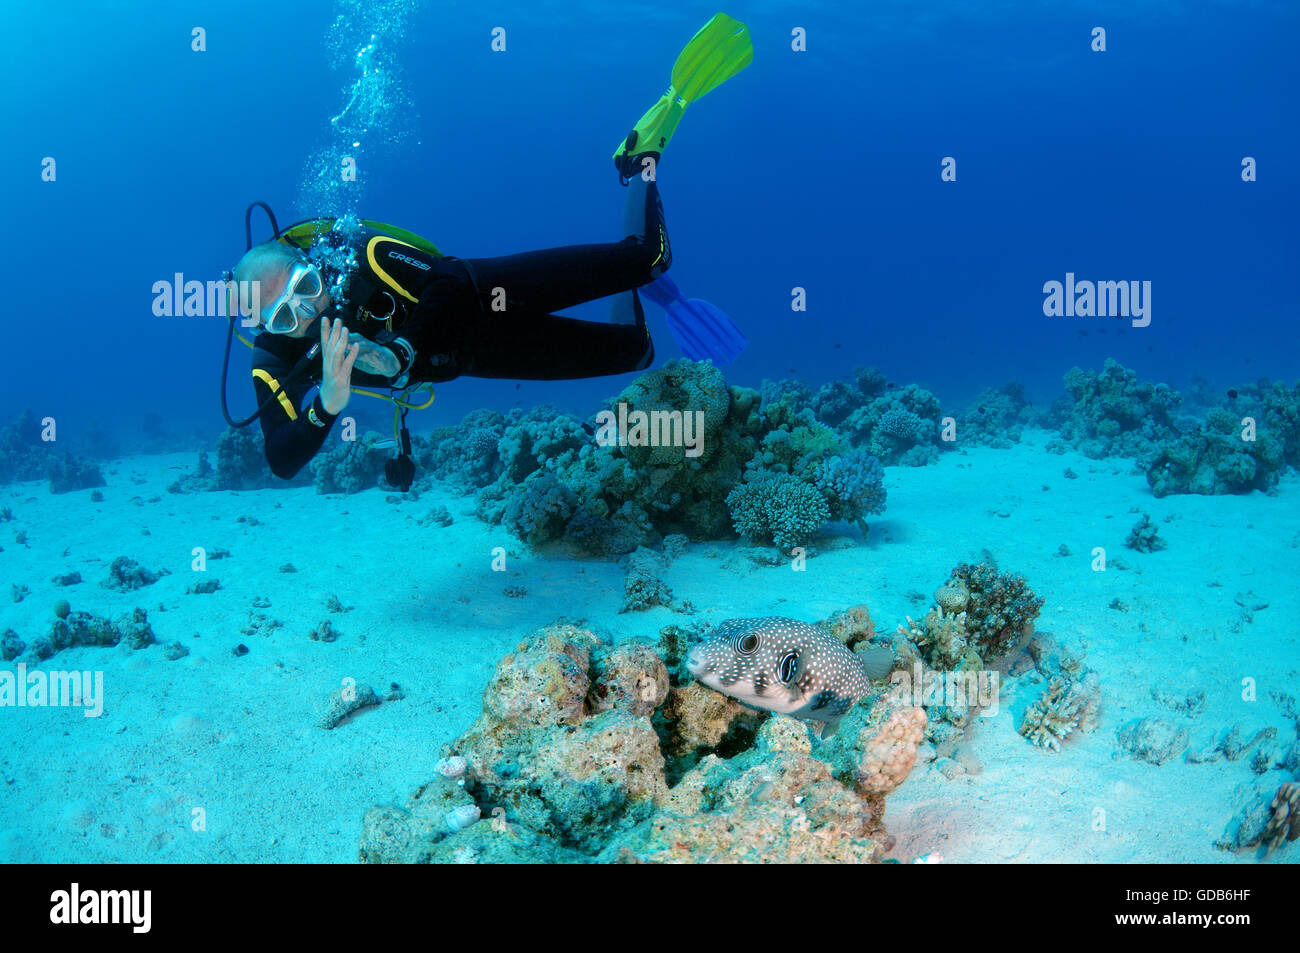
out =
column 402, row 350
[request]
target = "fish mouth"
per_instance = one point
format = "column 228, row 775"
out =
column 695, row 664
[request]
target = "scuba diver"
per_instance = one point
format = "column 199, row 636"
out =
column 347, row 302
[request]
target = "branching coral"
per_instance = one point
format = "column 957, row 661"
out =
column 870, row 381
column 1000, row 608
column 241, row 462
column 853, row 485
column 541, row 508
column 466, row 454
column 625, row 496
column 1275, row 409
column 785, row 400
column 834, row 401
column 778, row 507
column 902, row 425
column 942, row 638
column 600, row 533
column 1064, row 707
column 792, row 446
column 1237, row 448
column 543, row 439
column 980, row 617
column 618, row 495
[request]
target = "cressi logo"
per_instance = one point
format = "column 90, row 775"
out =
column 409, row 260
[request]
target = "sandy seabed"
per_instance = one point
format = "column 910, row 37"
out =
column 236, row 738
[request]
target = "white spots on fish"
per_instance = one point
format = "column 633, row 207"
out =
column 781, row 665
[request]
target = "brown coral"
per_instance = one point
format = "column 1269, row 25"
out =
column 851, row 626
column 981, row 616
column 631, row 676
column 1000, row 608
column 1052, row 717
column 875, row 745
column 1284, row 824
column 778, row 803
column 545, row 680
column 892, row 752
column 699, row 717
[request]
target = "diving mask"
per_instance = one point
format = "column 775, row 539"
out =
column 293, row 306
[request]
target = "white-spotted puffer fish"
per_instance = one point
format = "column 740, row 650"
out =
column 788, row 667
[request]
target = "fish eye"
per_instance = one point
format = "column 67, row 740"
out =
column 747, row 644
column 788, row 667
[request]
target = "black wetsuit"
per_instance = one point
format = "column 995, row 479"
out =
column 478, row 317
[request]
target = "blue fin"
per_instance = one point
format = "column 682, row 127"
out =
column 701, row 329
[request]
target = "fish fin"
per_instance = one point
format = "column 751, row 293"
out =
column 826, row 730
column 877, row 661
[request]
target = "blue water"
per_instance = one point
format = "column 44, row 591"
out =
column 818, row 169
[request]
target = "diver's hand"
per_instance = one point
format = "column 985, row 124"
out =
column 337, row 358
column 376, row 359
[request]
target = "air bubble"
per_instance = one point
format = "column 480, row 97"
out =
column 372, row 100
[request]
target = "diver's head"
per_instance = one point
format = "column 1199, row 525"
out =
column 291, row 290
